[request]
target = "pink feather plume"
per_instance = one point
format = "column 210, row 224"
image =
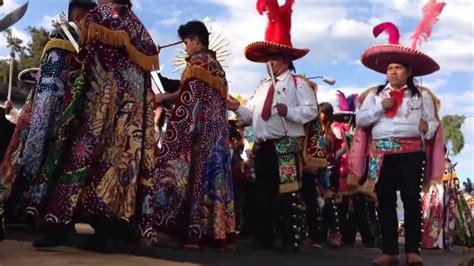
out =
column 431, row 11
column 342, row 101
column 391, row 29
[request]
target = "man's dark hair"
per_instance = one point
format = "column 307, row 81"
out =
column 194, row 29
column 234, row 133
column 291, row 66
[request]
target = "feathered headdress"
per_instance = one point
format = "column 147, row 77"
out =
column 346, row 104
column 431, row 11
column 347, row 107
column 378, row 57
column 277, row 35
column 217, row 43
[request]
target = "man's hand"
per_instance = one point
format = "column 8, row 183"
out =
column 8, row 105
column 282, row 109
column 423, row 126
column 388, row 103
column 232, row 103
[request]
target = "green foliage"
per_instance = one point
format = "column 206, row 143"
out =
column 30, row 56
column 453, row 135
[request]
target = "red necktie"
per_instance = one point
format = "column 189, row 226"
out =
column 397, row 95
column 267, row 105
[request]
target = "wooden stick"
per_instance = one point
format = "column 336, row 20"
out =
column 169, row 45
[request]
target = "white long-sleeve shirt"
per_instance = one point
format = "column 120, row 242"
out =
column 406, row 120
column 300, row 100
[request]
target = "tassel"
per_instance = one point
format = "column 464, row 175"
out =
column 58, row 44
column 118, row 38
column 203, row 74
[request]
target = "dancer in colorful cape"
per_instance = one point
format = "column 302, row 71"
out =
column 52, row 93
column 447, row 219
column 398, row 127
column 20, row 118
column 190, row 198
column 319, row 186
column 356, row 211
column 105, row 147
column 278, row 110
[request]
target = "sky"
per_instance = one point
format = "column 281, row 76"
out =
column 336, row 31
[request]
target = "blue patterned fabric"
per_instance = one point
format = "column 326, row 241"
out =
column 53, row 87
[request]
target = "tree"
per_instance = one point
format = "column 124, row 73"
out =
column 31, row 54
column 15, row 46
column 13, row 42
column 453, row 135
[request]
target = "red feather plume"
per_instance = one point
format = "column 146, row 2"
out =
column 431, row 11
column 279, row 20
column 391, row 29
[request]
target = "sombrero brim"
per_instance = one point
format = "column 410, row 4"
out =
column 262, row 51
column 378, row 58
column 29, row 75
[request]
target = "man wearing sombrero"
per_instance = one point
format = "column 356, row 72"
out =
column 278, row 109
column 401, row 120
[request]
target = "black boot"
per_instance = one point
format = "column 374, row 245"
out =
column 50, row 240
column 102, row 240
column 55, row 236
column 99, row 243
column 2, row 229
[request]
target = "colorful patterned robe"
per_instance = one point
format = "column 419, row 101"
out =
column 447, row 219
column 192, row 194
column 8, row 165
column 105, row 145
column 54, row 86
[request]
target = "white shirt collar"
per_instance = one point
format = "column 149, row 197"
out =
column 283, row 76
column 389, row 87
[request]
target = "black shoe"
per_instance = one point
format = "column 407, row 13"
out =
column 287, row 248
column 100, row 244
column 262, row 245
column 49, row 241
column 2, row 229
column 370, row 245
